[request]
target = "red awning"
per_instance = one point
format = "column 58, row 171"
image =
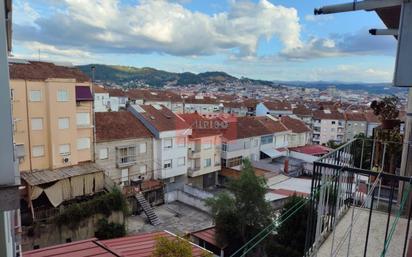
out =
column 83, row 93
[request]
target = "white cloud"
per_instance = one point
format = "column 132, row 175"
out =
column 318, row 18
column 53, row 50
column 164, row 27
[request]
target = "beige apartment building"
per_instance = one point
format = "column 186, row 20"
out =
column 52, row 115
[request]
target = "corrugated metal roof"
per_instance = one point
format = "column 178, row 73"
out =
column 46, row 176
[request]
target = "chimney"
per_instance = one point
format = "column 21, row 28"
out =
column 286, row 166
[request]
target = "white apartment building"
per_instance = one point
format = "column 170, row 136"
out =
column 276, row 109
column 328, row 125
column 201, row 104
column 101, row 99
column 204, row 156
column 170, row 146
column 300, row 133
column 118, row 99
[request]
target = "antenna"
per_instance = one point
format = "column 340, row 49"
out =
column 39, row 54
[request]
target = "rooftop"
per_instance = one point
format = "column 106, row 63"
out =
column 278, row 106
column 328, row 114
column 162, row 118
column 119, row 126
column 33, row 70
column 296, row 125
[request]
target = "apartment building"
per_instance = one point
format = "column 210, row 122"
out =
column 168, row 99
column 52, row 115
column 235, row 108
column 300, row 133
column 201, row 104
column 372, row 122
column 204, row 148
column 118, row 99
column 124, row 147
column 275, row 108
column 303, row 113
column 355, row 124
column 254, row 138
column 328, row 125
column 101, row 99
column 170, row 149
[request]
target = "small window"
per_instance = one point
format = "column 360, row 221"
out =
column 207, row 145
column 35, row 95
column 142, row 148
column 83, row 118
column 64, row 149
column 167, row 164
column 143, row 169
column 125, row 175
column 63, row 123
column 62, row 95
column 83, row 143
column 333, row 122
column 181, row 161
column 224, row 147
column 168, row 143
column 208, row 162
column 37, row 123
column 103, row 153
column 37, row 151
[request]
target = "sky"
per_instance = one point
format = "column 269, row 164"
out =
column 260, row 39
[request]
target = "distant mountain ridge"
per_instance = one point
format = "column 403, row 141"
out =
column 125, row 75
column 134, row 77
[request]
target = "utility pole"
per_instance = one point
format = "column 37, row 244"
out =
column 93, row 68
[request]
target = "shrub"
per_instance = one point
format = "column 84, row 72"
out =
column 108, row 230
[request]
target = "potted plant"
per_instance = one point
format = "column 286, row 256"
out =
column 387, row 111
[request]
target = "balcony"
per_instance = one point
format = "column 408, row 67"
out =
column 360, row 204
column 192, row 171
column 193, row 154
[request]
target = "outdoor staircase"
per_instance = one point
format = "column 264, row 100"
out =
column 148, row 210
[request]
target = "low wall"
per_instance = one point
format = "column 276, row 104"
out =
column 191, row 196
column 44, row 234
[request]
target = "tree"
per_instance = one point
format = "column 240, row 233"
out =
column 332, row 144
column 243, row 212
column 107, row 230
column 174, row 247
column 291, row 234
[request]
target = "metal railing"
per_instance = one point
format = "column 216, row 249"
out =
column 365, row 176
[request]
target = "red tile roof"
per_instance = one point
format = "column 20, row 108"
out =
column 208, row 235
column 355, row 116
column 45, row 70
column 141, row 245
column 204, row 100
column 97, row 89
column 302, row 110
column 84, row 248
column 296, row 125
column 119, row 126
column 328, row 114
column 273, row 125
column 201, row 126
column 371, row 117
column 116, row 92
column 153, row 95
column 163, row 119
column 278, row 106
column 315, row 150
column 287, row 192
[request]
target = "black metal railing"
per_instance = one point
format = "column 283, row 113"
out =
column 362, row 175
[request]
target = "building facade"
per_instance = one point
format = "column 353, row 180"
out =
column 328, row 125
column 124, row 147
column 355, row 124
column 52, row 115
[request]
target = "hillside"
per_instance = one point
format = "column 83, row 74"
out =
column 132, row 76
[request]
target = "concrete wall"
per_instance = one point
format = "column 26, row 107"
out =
column 51, row 234
column 110, row 164
column 191, row 196
column 354, row 128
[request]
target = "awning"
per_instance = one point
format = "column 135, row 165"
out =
column 83, row 93
column 272, row 153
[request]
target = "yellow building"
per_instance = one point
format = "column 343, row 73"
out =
column 52, row 115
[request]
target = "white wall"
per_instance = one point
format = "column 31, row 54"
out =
column 101, row 102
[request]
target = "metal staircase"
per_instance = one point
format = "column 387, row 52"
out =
column 148, row 210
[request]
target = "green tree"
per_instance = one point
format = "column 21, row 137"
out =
column 174, row 247
column 291, row 234
column 243, row 212
column 107, row 230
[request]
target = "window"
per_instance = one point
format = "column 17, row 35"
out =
column 125, row 175
column 37, row 151
column 142, row 148
column 181, row 161
column 62, row 95
column 208, row 162
column 333, row 122
column 127, row 154
column 37, row 123
column 143, row 169
column 167, row 164
column 35, row 95
column 224, row 147
column 266, row 140
column 223, row 162
column 256, row 142
column 168, row 143
column 232, row 162
column 207, row 144
column 83, row 143
column 83, row 119
column 64, row 149
column 103, row 153
column 63, row 123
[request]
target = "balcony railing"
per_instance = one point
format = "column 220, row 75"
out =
column 360, row 179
